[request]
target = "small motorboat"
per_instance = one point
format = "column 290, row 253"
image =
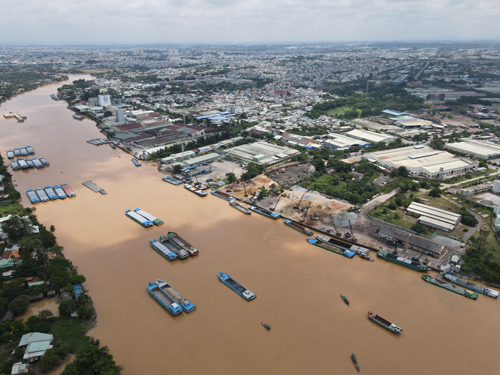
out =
column 266, row 326
column 355, row 361
column 344, row 298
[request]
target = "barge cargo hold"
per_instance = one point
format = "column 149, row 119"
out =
column 234, row 203
column 69, row 191
column 384, row 323
column 450, row 287
column 172, row 180
column 24, row 152
column 44, row 162
column 136, row 162
column 467, row 284
column 60, row 192
column 38, row 163
column 22, row 163
column 265, row 212
column 139, row 219
column 30, row 163
column 17, row 152
column 30, row 150
column 51, row 193
column 194, row 190
column 181, row 253
column 41, row 194
column 171, row 306
column 14, row 165
column 148, row 216
column 332, row 245
column 403, row 261
column 163, row 250
column 221, row 195
column 32, row 196
column 182, row 243
column 186, row 305
column 298, row 227
column 10, row 154
column 235, row 286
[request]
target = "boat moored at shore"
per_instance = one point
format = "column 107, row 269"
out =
column 403, row 261
column 17, row 152
column 298, row 227
column 30, row 150
column 163, row 250
column 467, row 284
column 182, row 243
column 78, row 117
column 234, row 203
column 22, row 164
column 174, row 295
column 195, row 190
column 171, row 306
column 450, row 287
column 172, row 180
column 136, row 162
column 265, row 212
column 14, row 165
column 139, row 219
column 384, row 323
column 221, row 195
column 24, row 152
column 44, row 162
column 235, row 286
column 331, row 244
column 30, row 163
column 148, row 216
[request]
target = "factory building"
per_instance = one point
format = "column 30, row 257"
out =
column 261, row 153
column 434, row 217
column 481, row 149
column 370, row 136
column 423, row 161
column 394, row 114
column 415, row 242
column 336, row 141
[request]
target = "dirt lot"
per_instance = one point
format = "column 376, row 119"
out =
column 290, row 175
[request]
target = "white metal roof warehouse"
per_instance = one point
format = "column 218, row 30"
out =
column 418, row 209
column 261, row 153
column 481, row 149
column 370, row 136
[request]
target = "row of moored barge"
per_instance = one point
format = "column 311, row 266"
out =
column 173, row 246
column 22, row 151
column 142, row 217
column 29, row 163
column 62, row 191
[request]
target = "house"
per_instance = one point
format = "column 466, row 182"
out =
column 36, row 345
column 20, row 368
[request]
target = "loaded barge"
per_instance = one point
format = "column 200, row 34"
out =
column 139, row 219
column 182, row 243
column 59, row 191
column 384, row 323
column 38, row 163
column 69, row 192
column 41, row 194
column 194, row 190
column 174, row 295
column 467, row 284
column 403, row 261
column 181, row 253
column 450, row 287
column 238, row 288
column 172, row 180
column 51, row 193
column 332, row 245
column 298, row 227
column 171, row 306
column 221, row 195
column 32, row 196
column 234, row 203
column 163, row 250
column 265, row 212
column 148, row 216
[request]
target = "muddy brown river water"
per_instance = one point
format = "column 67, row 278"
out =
column 297, row 285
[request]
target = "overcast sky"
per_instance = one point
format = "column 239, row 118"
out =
column 235, row 21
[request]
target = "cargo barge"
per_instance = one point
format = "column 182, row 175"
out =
column 14, row 165
column 148, row 216
column 182, row 243
column 24, row 152
column 30, row 163
column 181, row 253
column 235, row 286
column 403, row 261
column 467, row 284
column 172, row 180
column 332, row 245
column 298, row 227
column 221, row 195
column 44, row 162
column 174, row 295
column 171, row 306
column 163, row 250
column 450, row 287
column 136, row 162
column 41, row 194
column 22, row 164
column 194, row 190
column 10, row 154
column 60, row 192
column 234, row 203
column 30, row 150
column 139, row 219
column 384, row 323
column 265, row 212
column 38, row 164
column 69, row 191
column 32, row 196
column 17, row 152
column 78, row 117
column 51, row 193
column 92, row 186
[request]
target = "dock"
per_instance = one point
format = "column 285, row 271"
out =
column 92, row 186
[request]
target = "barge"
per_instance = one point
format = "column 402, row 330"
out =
column 41, row 194
column 235, row 286
column 24, row 152
column 181, row 253
column 265, row 212
column 182, row 243
column 194, row 190
column 221, row 195
column 69, row 191
column 171, row 306
column 51, row 193
column 139, row 219
column 384, row 323
column 92, row 186
column 78, row 117
column 38, row 164
column 148, row 216
column 17, row 152
column 172, row 180
column 14, row 165
column 234, row 203
column 10, row 154
column 467, row 284
column 44, row 162
column 450, row 287
column 32, row 196
column 136, row 162
column 30, row 163
column 22, row 163
column 174, row 295
column 30, row 150
column 403, row 261
column 332, row 245
column 298, row 227
column 60, row 192
column 163, row 250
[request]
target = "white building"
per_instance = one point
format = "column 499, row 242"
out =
column 36, row 344
column 370, row 136
column 481, row 149
column 104, row 100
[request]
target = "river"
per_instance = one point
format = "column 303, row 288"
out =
column 297, row 285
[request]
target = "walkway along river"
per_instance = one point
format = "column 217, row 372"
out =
column 297, row 285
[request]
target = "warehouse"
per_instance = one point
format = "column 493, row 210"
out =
column 481, row 149
column 434, row 217
column 261, row 153
column 412, row 122
column 423, row 161
column 394, row 114
column 370, row 136
column 415, row 242
column 338, row 142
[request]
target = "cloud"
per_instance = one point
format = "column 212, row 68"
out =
column 214, row 21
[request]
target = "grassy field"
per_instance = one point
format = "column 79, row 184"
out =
column 340, row 111
column 102, row 70
column 10, row 208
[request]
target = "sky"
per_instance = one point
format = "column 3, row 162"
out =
column 245, row 21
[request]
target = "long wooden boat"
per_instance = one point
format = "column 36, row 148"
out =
column 467, row 284
column 355, row 361
column 344, row 298
column 450, row 287
column 384, row 323
column 298, row 227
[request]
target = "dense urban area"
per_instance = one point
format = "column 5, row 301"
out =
column 379, row 146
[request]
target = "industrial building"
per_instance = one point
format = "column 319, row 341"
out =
column 434, row 217
column 496, row 187
column 423, row 161
column 481, row 149
column 394, row 114
column 418, row 243
column 412, row 122
column 261, row 153
column 336, row 141
column 370, row 136
column 36, row 344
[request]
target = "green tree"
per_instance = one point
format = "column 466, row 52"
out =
column 177, row 168
column 403, row 171
column 49, row 360
column 14, row 289
column 435, row 192
column 231, row 177
column 19, row 304
column 92, row 360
